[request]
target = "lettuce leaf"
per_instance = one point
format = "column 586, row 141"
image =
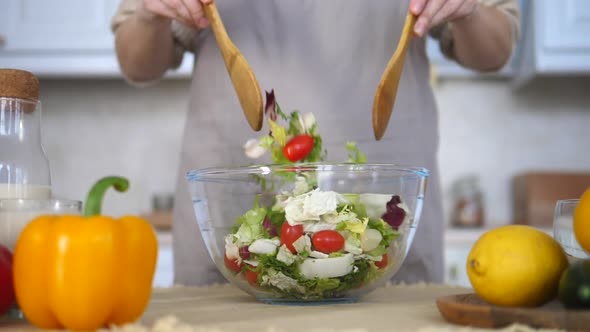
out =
column 250, row 226
column 279, row 133
column 266, row 141
column 379, row 251
column 318, row 285
column 388, row 233
column 278, row 157
column 354, row 153
column 280, row 112
column 352, row 243
column 356, row 225
column 365, row 271
column 355, row 205
column 316, row 154
column 294, row 124
column 268, row 262
column 276, row 217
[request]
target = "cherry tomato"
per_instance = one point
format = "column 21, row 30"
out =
column 252, row 277
column 298, row 147
column 232, row 264
column 327, row 241
column 383, row 262
column 290, row 234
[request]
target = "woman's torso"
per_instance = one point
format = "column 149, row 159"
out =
column 325, row 57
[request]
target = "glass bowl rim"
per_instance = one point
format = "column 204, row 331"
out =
column 209, row 172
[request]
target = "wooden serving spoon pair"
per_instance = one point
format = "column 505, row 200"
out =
column 248, row 90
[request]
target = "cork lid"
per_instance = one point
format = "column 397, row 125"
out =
column 18, row 84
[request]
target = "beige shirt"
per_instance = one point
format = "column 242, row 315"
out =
column 324, row 57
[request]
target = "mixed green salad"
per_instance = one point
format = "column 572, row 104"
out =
column 310, row 243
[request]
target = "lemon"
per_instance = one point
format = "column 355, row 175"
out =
column 582, row 221
column 516, row 265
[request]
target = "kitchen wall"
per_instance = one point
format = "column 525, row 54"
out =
column 495, row 133
column 98, row 127
column 94, row 128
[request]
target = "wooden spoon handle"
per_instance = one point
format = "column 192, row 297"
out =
column 241, row 75
column 407, row 32
column 387, row 89
column 217, row 24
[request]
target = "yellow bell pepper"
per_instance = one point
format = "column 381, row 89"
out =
column 85, row 272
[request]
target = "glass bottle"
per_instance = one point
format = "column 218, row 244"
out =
column 24, row 167
column 468, row 209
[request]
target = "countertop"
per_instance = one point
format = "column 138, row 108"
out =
column 224, row 308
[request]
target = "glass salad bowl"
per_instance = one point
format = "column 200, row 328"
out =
column 308, row 233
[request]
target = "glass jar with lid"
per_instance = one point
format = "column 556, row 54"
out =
column 24, row 167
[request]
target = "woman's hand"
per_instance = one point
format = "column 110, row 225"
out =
column 189, row 12
column 431, row 13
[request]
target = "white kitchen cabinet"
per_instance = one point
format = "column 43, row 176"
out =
column 555, row 39
column 61, row 38
column 455, row 265
column 458, row 243
column 164, row 276
column 56, row 25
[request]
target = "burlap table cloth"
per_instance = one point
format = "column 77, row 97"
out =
column 224, row 308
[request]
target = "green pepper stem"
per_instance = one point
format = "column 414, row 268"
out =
column 96, row 193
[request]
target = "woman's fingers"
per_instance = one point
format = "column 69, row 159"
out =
column 182, row 13
column 431, row 13
column 157, row 7
column 423, row 22
column 195, row 10
column 446, row 12
column 417, row 6
column 189, row 12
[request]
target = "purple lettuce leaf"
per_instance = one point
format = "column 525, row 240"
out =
column 270, row 108
column 270, row 227
column 394, row 215
column 244, row 252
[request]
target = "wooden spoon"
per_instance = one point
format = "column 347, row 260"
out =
column 241, row 74
column 387, row 89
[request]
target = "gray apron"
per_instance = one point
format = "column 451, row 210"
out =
column 324, row 57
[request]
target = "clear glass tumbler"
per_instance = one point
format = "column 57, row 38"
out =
column 563, row 228
column 15, row 214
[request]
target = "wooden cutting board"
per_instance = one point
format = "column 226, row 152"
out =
column 536, row 193
column 470, row 310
